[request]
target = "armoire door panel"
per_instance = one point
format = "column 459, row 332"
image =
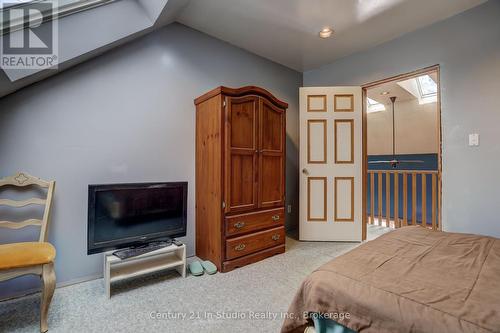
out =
column 242, row 182
column 271, row 126
column 242, row 115
column 243, row 119
column 271, row 180
column 271, row 155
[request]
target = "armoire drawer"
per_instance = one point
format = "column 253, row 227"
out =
column 243, row 245
column 243, row 223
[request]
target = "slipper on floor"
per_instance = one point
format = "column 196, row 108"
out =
column 209, row 267
column 195, row 268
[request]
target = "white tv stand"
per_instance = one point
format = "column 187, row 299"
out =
column 116, row 269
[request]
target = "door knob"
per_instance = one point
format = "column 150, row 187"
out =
column 305, row 171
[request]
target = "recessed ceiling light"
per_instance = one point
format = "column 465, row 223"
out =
column 326, row 32
column 385, row 93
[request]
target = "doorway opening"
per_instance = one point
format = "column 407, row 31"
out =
column 402, row 151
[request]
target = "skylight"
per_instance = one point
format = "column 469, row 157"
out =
column 374, row 106
column 17, row 18
column 423, row 87
column 10, row 3
column 427, row 86
column 57, row 3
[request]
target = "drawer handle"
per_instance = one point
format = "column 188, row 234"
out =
column 239, row 225
column 276, row 237
column 276, row 217
column 240, row 247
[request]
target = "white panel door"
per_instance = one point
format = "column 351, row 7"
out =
column 331, row 164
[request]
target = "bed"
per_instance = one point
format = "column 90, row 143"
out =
column 409, row 280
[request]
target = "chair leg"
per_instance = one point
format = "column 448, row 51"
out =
column 49, row 284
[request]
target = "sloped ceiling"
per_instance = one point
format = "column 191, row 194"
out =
column 394, row 89
column 284, row 31
column 87, row 34
column 378, row 93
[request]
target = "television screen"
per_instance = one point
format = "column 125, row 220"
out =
column 124, row 215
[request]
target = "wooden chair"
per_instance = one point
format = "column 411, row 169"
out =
column 37, row 258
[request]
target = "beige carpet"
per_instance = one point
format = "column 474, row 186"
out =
column 230, row 302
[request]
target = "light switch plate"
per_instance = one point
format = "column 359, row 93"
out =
column 473, row 140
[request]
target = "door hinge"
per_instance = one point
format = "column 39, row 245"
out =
column 224, row 103
column 223, row 204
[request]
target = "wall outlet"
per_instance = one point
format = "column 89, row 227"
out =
column 289, row 209
column 473, row 140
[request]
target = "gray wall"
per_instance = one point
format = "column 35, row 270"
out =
column 127, row 116
column 467, row 47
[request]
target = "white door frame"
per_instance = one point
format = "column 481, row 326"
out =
column 365, row 87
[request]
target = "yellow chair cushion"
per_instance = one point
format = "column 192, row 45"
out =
column 17, row 255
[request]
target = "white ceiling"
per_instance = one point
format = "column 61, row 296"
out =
column 286, row 31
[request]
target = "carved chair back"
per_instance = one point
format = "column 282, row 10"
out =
column 22, row 179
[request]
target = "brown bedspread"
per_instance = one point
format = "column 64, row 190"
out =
column 408, row 280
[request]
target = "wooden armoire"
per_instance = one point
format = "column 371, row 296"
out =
column 240, row 176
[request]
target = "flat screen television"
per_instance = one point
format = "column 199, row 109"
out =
column 125, row 215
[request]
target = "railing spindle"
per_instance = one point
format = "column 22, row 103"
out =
column 396, row 201
column 379, row 198
column 405, row 199
column 424, row 200
column 439, row 203
column 433, row 200
column 387, row 199
column 372, row 198
column 414, row 198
